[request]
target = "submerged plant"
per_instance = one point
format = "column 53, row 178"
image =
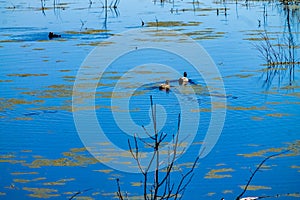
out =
column 281, row 57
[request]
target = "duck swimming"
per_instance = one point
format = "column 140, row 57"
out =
column 165, row 86
column 51, row 35
column 183, row 80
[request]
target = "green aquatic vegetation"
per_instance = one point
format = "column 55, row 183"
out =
column 136, row 184
column 255, row 118
column 69, row 77
column 262, row 152
column 23, row 118
column 210, row 194
column 241, row 108
column 280, row 63
column 77, row 150
column 7, row 41
column 172, row 23
column 59, row 182
column 31, row 93
column 255, row 187
column 100, row 43
column 12, row 102
column 296, row 167
column 75, row 157
column 227, row 191
column 265, row 167
column 87, row 31
column 290, row 87
column 106, row 171
column 6, row 81
column 205, row 34
column 55, row 91
column 23, row 173
column 21, row 180
column 292, row 195
column 219, row 173
column 293, row 150
column 64, row 70
column 294, row 94
column 201, row 110
column 258, row 39
column 26, row 75
column 38, row 49
column 7, row 156
column 278, row 115
column 42, row 193
column 240, row 76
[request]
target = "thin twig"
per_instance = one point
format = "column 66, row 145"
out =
column 119, row 193
column 79, row 192
column 257, row 169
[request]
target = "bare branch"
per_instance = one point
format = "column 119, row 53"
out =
column 257, row 169
column 119, row 193
column 78, row 193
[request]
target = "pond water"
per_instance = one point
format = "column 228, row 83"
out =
column 254, row 45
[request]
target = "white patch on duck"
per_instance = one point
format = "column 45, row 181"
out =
column 183, row 80
column 165, row 86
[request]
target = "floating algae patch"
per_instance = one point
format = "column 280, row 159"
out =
column 100, row 43
column 227, row 191
column 106, row 171
column 210, row 194
column 292, row 195
column 56, row 91
column 26, row 75
column 255, row 187
column 70, row 159
column 293, row 149
column 136, row 184
column 294, row 94
column 172, row 23
column 258, row 38
column 296, row 167
column 21, row 180
column 278, row 115
column 206, row 34
column 23, row 173
column 64, row 70
column 9, row 104
column 38, row 49
column 88, row 31
column 265, row 167
column 290, row 87
column 76, row 150
column 42, row 193
column 218, row 173
column 59, row 182
column 241, row 108
column 24, row 118
column 255, row 118
column 6, row 81
column 28, row 180
column 240, row 76
column 201, row 110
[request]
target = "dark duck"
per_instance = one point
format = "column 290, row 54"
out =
column 51, row 35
